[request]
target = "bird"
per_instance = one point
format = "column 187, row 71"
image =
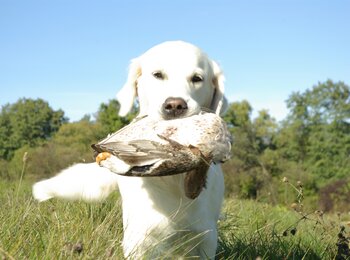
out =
column 149, row 147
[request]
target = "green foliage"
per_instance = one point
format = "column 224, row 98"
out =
column 335, row 196
column 252, row 154
column 312, row 145
column 325, row 103
column 80, row 134
column 238, row 114
column 108, row 118
column 27, row 122
column 316, row 132
column 71, row 144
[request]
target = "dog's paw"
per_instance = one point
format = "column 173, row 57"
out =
column 41, row 191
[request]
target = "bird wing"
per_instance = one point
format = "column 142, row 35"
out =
column 136, row 152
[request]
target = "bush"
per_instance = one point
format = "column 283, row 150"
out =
column 70, row 145
column 335, row 196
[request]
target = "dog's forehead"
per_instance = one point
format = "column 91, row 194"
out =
column 176, row 55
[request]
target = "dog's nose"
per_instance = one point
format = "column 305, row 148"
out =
column 174, row 107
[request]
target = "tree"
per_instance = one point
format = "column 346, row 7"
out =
column 27, row 122
column 265, row 128
column 238, row 114
column 238, row 119
column 249, row 168
column 109, row 119
column 326, row 102
column 316, row 133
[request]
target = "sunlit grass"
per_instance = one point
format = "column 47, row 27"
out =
column 58, row 230
column 250, row 230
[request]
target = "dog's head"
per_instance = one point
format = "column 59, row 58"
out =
column 172, row 80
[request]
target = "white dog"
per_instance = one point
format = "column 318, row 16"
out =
column 171, row 80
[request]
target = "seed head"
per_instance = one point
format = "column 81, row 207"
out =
column 293, row 231
column 78, row 248
column 25, row 157
column 319, row 213
column 342, row 228
column 285, row 179
column 294, row 206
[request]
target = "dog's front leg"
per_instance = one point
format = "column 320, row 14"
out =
column 82, row 181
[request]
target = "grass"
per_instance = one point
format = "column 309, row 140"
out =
column 57, row 229
column 248, row 229
column 252, row 230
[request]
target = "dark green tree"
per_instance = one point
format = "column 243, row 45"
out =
column 27, row 122
column 107, row 116
column 316, row 133
column 248, row 169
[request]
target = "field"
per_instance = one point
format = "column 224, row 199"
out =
column 309, row 151
column 248, row 229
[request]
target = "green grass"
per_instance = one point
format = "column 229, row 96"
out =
column 250, row 230
column 61, row 230
column 58, row 229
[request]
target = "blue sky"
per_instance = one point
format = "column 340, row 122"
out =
column 75, row 53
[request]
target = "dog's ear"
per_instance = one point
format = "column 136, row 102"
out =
column 128, row 92
column 219, row 102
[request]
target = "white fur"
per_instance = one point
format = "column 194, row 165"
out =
column 156, row 211
column 86, row 181
column 178, row 61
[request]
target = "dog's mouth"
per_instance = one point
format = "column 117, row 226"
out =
column 175, row 116
column 186, row 113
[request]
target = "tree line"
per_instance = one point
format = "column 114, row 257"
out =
column 311, row 145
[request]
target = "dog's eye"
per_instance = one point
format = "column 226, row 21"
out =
column 196, row 78
column 158, row 75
